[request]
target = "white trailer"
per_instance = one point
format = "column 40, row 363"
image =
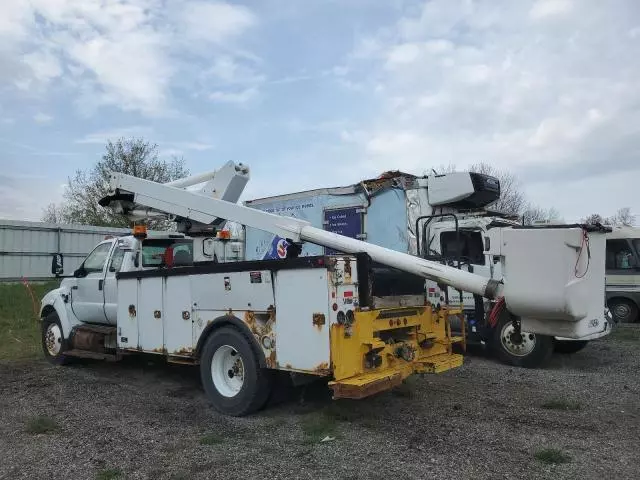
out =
column 241, row 321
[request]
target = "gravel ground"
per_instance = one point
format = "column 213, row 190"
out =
column 141, row 420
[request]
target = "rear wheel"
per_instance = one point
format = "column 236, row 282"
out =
column 53, row 343
column 231, row 374
column 520, row 349
column 623, row 310
column 568, row 346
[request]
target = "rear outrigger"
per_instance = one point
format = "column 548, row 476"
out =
column 329, row 316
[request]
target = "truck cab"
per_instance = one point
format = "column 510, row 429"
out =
column 90, row 295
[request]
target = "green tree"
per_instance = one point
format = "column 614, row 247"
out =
column 135, row 157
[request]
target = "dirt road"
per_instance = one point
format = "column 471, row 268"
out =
column 579, row 418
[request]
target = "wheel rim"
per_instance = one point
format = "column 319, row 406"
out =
column 227, row 371
column 519, row 345
column 622, row 312
column 53, row 340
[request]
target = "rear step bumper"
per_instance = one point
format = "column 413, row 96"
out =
column 365, row 385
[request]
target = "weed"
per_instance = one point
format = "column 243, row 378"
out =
column 42, row 424
column 625, row 333
column 19, row 325
column 552, row 456
column 561, row 404
column 211, row 439
column 344, row 411
column 108, row 474
column 278, row 422
column 180, row 476
column 317, row 426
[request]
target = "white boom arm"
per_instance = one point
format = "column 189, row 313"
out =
column 131, row 193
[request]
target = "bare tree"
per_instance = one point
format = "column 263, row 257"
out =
column 512, row 201
column 596, row 218
column 441, row 169
column 131, row 156
column 534, row 213
column 53, row 214
column 624, row 218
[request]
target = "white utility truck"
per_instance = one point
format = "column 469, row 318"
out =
column 314, row 315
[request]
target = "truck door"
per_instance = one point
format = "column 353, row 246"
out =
column 87, row 296
column 110, row 286
column 346, row 221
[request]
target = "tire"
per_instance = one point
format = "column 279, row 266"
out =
column 231, row 374
column 529, row 351
column 53, row 342
column 569, row 347
column 623, row 310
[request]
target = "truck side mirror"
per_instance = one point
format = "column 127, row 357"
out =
column 57, row 265
column 80, row 272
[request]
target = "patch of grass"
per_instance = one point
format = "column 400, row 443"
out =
column 561, row 404
column 344, row 411
column 19, row 324
column 625, row 333
column 552, row 456
column 278, row 422
column 317, row 426
column 42, row 424
column 180, row 476
column 211, row 439
column 406, row 389
column 108, row 474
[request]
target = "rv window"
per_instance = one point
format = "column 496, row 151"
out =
column 620, row 255
column 472, row 246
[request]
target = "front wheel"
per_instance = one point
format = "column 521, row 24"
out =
column 231, row 374
column 520, row 349
column 53, row 343
column 569, row 346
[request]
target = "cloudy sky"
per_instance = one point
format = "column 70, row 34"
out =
column 326, row 92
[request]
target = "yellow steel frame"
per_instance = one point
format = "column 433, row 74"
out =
column 421, row 330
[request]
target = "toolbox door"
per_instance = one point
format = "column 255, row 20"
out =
column 302, row 320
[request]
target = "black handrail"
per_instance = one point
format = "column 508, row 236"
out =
column 424, row 235
column 424, row 231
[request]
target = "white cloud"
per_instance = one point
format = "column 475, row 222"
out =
column 42, row 118
column 548, row 8
column 405, row 53
column 197, row 146
column 171, row 152
column 461, row 82
column 215, row 22
column 103, row 137
column 124, row 53
column 239, row 97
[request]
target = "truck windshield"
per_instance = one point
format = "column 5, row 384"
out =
column 155, row 251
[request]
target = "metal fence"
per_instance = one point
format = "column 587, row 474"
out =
column 26, row 248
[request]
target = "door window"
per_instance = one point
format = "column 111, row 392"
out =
column 96, row 259
column 470, row 246
column 620, row 255
column 116, row 260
